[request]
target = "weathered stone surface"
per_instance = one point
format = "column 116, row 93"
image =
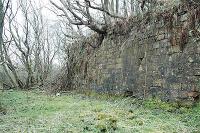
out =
column 147, row 62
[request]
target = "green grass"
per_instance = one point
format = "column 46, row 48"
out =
column 76, row 113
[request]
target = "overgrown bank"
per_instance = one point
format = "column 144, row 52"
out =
column 37, row 112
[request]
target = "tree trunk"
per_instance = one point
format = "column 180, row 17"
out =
column 106, row 7
column 1, row 39
column 112, row 6
column 1, row 30
column 132, row 6
column 125, row 9
column 117, row 7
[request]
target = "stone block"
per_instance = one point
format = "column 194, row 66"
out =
column 156, row 45
column 160, row 24
column 118, row 60
column 176, row 86
column 191, row 60
column 165, row 43
column 119, row 65
column 160, row 37
column 197, row 72
column 184, row 18
column 198, row 50
column 158, row 82
column 174, row 93
column 174, row 49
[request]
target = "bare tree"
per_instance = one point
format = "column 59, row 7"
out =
column 4, row 5
column 31, row 46
column 125, row 8
column 79, row 13
column 117, row 6
column 23, row 43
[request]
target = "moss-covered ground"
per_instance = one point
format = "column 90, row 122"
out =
column 34, row 112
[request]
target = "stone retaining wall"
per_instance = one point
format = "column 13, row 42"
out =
column 155, row 55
